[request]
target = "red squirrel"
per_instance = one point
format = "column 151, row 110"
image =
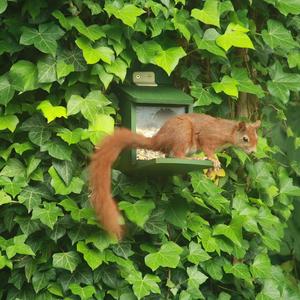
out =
column 180, row 136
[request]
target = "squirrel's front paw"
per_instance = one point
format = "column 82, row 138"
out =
column 216, row 163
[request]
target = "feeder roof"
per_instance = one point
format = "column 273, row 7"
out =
column 156, row 95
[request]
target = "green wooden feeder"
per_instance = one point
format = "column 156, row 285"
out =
column 144, row 108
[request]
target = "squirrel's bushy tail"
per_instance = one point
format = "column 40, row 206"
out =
column 100, row 175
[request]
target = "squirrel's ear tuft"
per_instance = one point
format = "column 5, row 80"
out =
column 241, row 126
column 256, row 124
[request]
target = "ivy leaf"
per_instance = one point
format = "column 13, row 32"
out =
column 228, row 231
column 71, row 137
column 64, row 168
column 58, row 149
column 6, row 90
column 23, row 76
column 13, row 187
column 59, row 186
column 278, row 36
column 66, row 260
column 93, row 55
column 19, row 247
column 31, row 197
column 93, row 257
column 46, row 69
column 208, row 42
column 105, row 77
column 27, row 225
column 4, row 198
column 41, row 279
column 44, row 39
column 39, row 132
column 176, row 213
column 196, row 278
column 137, row 212
column 52, row 112
column 9, row 122
column 127, row 14
column 169, row 58
column 83, row 292
column 210, row 14
column 47, row 215
column 203, row 97
column 261, row 266
column 168, row 256
column 245, row 84
column 3, row 6
column 63, row 69
column 156, row 223
column 144, row 286
column 282, row 83
column 197, row 254
column 286, row 6
column 293, row 60
column 286, row 185
column 239, row 270
column 13, row 167
column 118, row 67
column 152, row 52
column 228, row 85
column 235, row 35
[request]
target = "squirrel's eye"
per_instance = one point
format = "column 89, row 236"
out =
column 245, row 139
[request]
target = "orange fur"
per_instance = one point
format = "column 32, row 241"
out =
column 178, row 137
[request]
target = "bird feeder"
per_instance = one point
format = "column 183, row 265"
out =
column 144, row 108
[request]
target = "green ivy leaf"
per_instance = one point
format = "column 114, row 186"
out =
column 39, row 132
column 167, row 256
column 63, row 69
column 261, row 266
column 169, row 58
column 9, row 122
column 197, row 254
column 13, row 167
column 118, row 67
column 93, row 257
column 239, row 270
column 105, row 77
column 208, row 42
column 228, row 231
column 286, row 6
column 31, row 197
column 282, row 83
column 235, row 35
column 58, row 149
column 65, row 169
column 203, row 97
column 4, row 198
column 176, row 213
column 196, row 278
column 71, row 137
column 19, row 247
column 127, row 14
column 51, row 112
column 3, row 6
column 66, row 260
column 23, row 76
column 93, row 55
column 278, row 36
column 44, row 39
column 6, row 90
column 245, row 84
column 41, row 279
column 46, row 69
column 228, row 85
column 47, row 215
column 143, row 286
column 137, row 212
column 59, row 186
column 83, row 292
column 210, row 14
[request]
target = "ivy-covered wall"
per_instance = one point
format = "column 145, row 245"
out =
column 188, row 237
